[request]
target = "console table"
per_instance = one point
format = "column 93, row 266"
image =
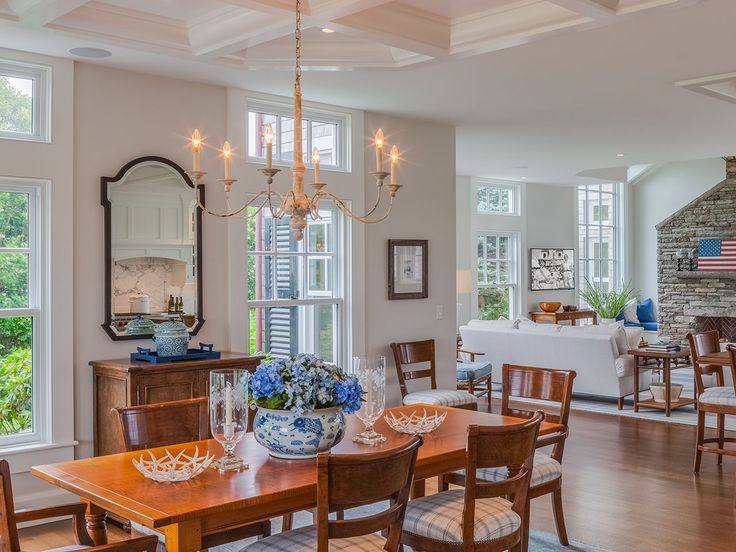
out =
column 121, row 383
column 558, row 316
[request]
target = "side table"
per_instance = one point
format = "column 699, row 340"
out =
column 558, row 316
column 640, row 358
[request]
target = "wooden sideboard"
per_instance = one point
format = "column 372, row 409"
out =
column 120, row 383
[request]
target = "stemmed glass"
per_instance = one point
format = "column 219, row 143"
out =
column 229, row 415
column 371, row 374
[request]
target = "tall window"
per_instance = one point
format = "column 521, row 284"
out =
column 296, row 288
column 497, row 276
column 20, row 312
column 24, row 101
column 496, row 198
column 598, row 234
column 325, row 131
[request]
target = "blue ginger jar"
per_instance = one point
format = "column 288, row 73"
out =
column 171, row 338
column 293, row 436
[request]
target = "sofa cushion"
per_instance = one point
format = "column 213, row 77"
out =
column 649, row 326
column 625, row 365
column 630, row 312
column 633, row 335
column 525, row 326
column 492, row 324
column 645, row 311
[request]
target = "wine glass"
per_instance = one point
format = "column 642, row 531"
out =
column 229, row 415
column 371, row 374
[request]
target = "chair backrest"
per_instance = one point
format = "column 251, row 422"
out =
column 543, row 384
column 732, row 352
column 414, row 352
column 162, row 424
column 702, row 344
column 511, row 446
column 8, row 529
column 347, row 481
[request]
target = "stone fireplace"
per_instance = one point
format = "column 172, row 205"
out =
column 690, row 300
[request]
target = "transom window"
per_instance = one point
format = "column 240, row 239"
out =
column 296, row 288
column 497, row 276
column 496, row 198
column 24, row 101
column 599, row 234
column 327, row 132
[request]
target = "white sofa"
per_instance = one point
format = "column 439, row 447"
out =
column 602, row 369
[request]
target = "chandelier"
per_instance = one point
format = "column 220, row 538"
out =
column 296, row 204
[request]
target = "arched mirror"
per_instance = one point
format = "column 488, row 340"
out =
column 153, row 249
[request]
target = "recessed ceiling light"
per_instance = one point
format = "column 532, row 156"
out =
column 328, row 30
column 88, row 52
column 619, row 155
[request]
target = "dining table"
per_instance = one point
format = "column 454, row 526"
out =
column 214, row 502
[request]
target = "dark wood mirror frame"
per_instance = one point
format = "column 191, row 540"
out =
column 105, row 181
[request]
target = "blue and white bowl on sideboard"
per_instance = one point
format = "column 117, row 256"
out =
column 171, row 338
column 293, row 436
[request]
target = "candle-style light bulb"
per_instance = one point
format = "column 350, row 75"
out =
column 269, row 136
column 196, row 149
column 379, row 150
column 394, row 163
column 227, row 153
column 315, row 161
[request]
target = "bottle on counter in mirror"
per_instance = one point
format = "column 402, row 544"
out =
column 172, row 305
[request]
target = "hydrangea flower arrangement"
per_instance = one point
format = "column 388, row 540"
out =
column 304, row 383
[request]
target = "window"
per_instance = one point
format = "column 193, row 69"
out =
column 497, row 276
column 24, row 101
column 599, row 234
column 497, row 199
column 295, row 288
column 326, row 131
column 20, row 313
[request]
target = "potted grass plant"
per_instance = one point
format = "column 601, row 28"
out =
column 608, row 304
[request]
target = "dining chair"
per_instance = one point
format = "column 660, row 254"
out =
column 423, row 352
column 717, row 399
column 171, row 423
column 484, row 516
column 554, row 387
column 9, row 520
column 346, row 481
column 473, row 376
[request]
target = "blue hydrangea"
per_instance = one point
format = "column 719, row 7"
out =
column 304, row 383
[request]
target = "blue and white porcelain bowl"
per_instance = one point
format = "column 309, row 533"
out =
column 295, row 436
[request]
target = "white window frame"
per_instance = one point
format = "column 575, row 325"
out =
column 514, row 272
column 38, row 285
column 340, row 278
column 41, row 77
column 310, row 113
column 615, row 277
column 511, row 187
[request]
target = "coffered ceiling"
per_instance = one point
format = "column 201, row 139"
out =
column 367, row 33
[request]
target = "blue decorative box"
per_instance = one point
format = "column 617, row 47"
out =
column 147, row 355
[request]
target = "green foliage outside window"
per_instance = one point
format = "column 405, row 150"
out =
column 16, row 109
column 493, row 303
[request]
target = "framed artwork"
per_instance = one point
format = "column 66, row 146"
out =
column 407, row 269
column 551, row 269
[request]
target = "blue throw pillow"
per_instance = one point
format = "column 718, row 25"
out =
column 645, row 311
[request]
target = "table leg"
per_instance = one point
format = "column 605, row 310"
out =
column 96, row 524
column 573, row 322
column 636, row 384
column 185, row 536
column 667, row 390
column 418, row 488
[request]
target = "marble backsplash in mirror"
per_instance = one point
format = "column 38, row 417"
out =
column 157, row 277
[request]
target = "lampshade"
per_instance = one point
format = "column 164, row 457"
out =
column 464, row 281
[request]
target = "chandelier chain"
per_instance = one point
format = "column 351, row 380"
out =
column 298, row 39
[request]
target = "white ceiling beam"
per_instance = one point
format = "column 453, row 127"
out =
column 399, row 26
column 327, row 10
column 595, row 9
column 275, row 7
column 42, row 12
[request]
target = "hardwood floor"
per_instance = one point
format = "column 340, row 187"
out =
column 628, row 487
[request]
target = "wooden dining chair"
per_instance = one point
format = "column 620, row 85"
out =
column 171, row 423
column 346, row 481
column 9, row 519
column 484, row 516
column 473, row 375
column 423, row 352
column 717, row 399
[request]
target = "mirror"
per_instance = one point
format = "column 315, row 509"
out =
column 153, row 249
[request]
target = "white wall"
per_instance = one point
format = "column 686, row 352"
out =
column 655, row 196
column 424, row 209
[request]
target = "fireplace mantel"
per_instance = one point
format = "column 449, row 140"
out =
column 707, row 275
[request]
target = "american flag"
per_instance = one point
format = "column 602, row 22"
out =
column 717, row 255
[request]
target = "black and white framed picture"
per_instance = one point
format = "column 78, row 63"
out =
column 551, row 269
column 407, row 269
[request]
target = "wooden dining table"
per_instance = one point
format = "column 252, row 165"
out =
column 214, row 501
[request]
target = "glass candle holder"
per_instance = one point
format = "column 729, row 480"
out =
column 371, row 373
column 229, row 415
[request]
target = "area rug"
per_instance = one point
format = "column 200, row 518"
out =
column 539, row 541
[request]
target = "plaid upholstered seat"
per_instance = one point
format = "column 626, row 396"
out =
column 546, row 469
column 441, row 397
column 472, row 370
column 304, row 539
column 439, row 517
column 723, row 396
